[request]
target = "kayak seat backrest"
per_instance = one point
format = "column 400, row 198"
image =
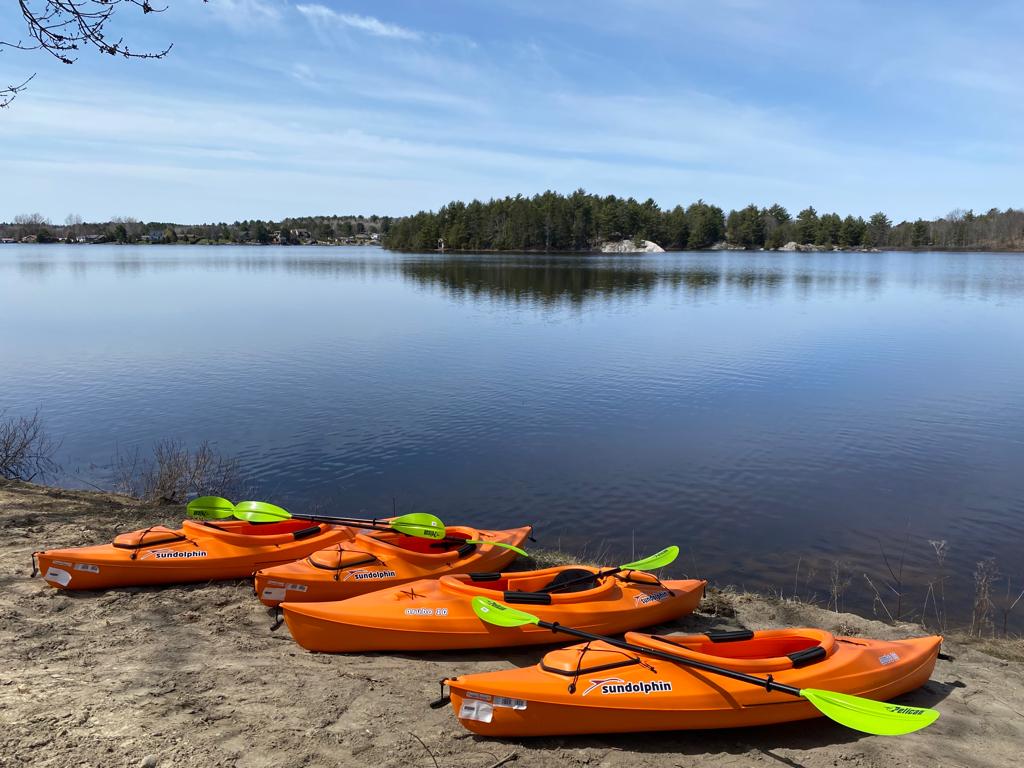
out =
column 571, row 575
column 528, row 581
column 807, row 656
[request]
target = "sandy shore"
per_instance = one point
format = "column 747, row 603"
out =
column 192, row 676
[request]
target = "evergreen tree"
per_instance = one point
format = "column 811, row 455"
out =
column 807, row 226
column 851, row 233
column 828, row 229
column 919, row 234
column 878, row 230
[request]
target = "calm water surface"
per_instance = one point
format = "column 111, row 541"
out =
column 760, row 410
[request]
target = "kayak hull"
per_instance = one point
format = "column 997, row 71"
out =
column 595, row 689
column 373, row 561
column 196, row 552
column 432, row 615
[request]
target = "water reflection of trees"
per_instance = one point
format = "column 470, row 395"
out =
column 578, row 280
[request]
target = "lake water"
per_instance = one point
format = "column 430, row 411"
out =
column 770, row 413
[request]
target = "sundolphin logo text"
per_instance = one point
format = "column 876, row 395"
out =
column 360, row 575
column 615, row 685
column 654, row 597
column 189, row 553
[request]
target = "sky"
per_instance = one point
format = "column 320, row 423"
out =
column 274, row 108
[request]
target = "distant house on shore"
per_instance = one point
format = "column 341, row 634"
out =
column 302, row 235
column 7, row 240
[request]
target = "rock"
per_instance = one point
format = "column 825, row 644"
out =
column 790, row 246
column 724, row 246
column 630, row 246
column 149, row 761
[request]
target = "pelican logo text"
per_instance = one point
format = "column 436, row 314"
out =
column 162, row 554
column 361, row 575
column 654, row 597
column 896, row 710
column 616, row 685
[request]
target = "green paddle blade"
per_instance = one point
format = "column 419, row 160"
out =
column 501, row 615
column 522, row 552
column 420, row 524
column 210, row 508
column 878, row 717
column 261, row 512
column 654, row 562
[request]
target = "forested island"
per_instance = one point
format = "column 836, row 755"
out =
column 582, row 222
column 552, row 222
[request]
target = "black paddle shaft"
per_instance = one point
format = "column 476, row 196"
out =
column 358, row 522
column 764, row 682
column 351, row 522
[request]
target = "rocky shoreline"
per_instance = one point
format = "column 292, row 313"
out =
column 193, row 676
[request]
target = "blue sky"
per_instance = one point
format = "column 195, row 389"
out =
column 272, row 108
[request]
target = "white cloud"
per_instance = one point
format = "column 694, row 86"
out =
column 319, row 14
column 245, row 13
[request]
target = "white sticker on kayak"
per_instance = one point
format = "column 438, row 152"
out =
column 472, row 709
column 296, row 587
column 273, row 593
column 504, row 701
column 889, row 658
column 57, row 576
column 87, row 567
column 65, row 563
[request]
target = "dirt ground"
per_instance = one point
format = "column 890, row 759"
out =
column 192, row 676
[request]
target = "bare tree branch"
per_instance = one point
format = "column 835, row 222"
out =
column 62, row 28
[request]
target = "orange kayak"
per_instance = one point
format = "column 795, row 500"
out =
column 373, row 561
column 598, row 688
column 436, row 614
column 198, row 551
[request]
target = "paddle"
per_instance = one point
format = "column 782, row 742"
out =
column 419, row 524
column 652, row 563
column 867, row 715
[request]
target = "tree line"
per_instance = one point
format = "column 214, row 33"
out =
column 309, row 229
column 582, row 221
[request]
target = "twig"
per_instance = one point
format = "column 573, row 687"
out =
column 426, row 748
column 796, row 579
column 878, row 598
column 506, row 759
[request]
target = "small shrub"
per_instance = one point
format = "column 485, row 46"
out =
column 173, row 473
column 26, row 450
column 985, row 575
